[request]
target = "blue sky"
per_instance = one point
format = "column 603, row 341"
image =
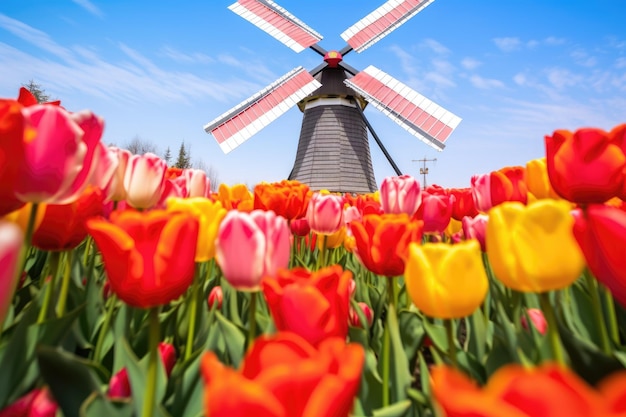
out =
column 513, row 70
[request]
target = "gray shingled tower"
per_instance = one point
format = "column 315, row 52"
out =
column 333, row 151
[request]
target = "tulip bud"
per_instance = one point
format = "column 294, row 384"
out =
column 216, row 296
column 168, row 356
column 119, row 385
column 351, row 287
column 367, row 311
column 300, row 227
column 537, row 319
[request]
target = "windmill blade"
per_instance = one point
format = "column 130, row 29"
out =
column 418, row 115
column 277, row 22
column 238, row 124
column 381, row 22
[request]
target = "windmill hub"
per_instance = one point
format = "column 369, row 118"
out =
column 333, row 58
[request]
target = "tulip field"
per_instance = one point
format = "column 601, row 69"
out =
column 129, row 288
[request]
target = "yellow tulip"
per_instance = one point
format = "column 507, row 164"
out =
column 532, row 248
column 209, row 215
column 446, row 281
column 332, row 241
column 238, row 197
column 537, row 180
column 454, row 226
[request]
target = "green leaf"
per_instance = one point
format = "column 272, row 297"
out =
column 477, row 334
column 394, row 410
column 188, row 391
column 233, row 338
column 400, row 374
column 69, row 378
column 411, row 331
column 371, row 387
column 437, row 334
column 98, row 406
column 586, row 359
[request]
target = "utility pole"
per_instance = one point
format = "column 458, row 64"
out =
column 424, row 169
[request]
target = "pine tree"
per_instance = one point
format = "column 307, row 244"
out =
column 168, row 156
column 184, row 159
column 37, row 90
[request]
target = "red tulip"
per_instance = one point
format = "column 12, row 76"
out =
column 463, row 203
column 600, row 231
column 313, row 305
column 148, row 256
column 382, row 241
column 37, row 403
column 367, row 312
column 300, row 227
column 63, row 225
column 436, row 211
column 587, row 166
column 13, row 129
column 284, row 376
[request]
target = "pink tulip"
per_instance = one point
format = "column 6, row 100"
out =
column 325, row 213
column 401, row 194
column 144, row 180
column 251, row 246
column 476, row 228
column 216, row 296
column 105, row 163
column 115, row 189
column 436, row 211
column 481, row 192
column 537, row 319
column 172, row 188
column 197, row 183
column 53, row 157
column 11, row 239
column 367, row 312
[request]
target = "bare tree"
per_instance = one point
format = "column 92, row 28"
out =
column 210, row 172
column 140, row 146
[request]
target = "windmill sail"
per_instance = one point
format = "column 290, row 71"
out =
column 381, row 22
column 238, row 124
column 418, row 115
column 277, row 22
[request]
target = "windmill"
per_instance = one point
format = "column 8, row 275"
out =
column 333, row 150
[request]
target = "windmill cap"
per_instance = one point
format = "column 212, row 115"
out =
column 333, row 58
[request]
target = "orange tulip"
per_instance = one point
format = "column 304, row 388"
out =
column 284, row 376
column 237, row 197
column 286, row 198
column 382, row 241
column 148, row 256
column 516, row 391
column 314, row 305
column 587, row 166
column 509, row 184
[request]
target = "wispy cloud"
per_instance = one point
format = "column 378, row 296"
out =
column 90, row 7
column 485, row 83
column 135, row 79
column 470, row 63
column 185, row 58
column 510, row 44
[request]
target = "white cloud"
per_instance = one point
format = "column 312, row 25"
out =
column 435, row 46
column 620, row 62
column 583, row 58
column 520, row 79
column 508, row 44
column 90, row 7
column 485, row 83
column 183, row 58
column 470, row 63
column 561, row 78
column 33, row 36
column 553, row 41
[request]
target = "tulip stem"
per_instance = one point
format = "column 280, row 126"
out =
column 104, row 329
column 609, row 302
column 54, row 266
column 252, row 319
column 449, row 324
column 553, row 331
column 592, row 287
column 65, row 284
column 151, row 382
column 322, row 258
column 193, row 311
column 28, row 237
column 386, row 348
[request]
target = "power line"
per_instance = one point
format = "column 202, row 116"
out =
column 424, row 169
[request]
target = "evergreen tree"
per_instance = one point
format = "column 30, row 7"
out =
column 184, row 159
column 37, row 90
column 168, row 156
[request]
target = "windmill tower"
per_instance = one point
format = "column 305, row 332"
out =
column 333, row 150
